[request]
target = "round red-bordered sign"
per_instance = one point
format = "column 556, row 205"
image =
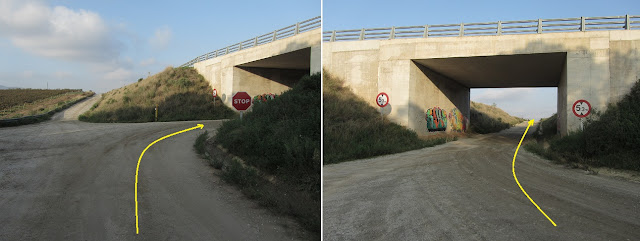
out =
column 215, row 93
column 581, row 108
column 382, row 99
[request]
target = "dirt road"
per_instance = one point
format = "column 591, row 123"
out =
column 465, row 190
column 68, row 180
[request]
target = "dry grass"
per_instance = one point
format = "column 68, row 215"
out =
column 179, row 93
column 354, row 130
column 41, row 106
column 487, row 119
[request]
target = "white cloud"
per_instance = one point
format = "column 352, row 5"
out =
column 161, row 38
column 147, row 62
column 62, row 74
column 58, row 32
column 498, row 95
column 119, row 74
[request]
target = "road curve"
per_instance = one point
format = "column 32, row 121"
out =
column 69, row 180
column 465, row 190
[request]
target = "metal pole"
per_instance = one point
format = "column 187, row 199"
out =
column 426, row 31
column 362, row 34
column 461, row 29
column 156, row 112
column 582, row 25
column 499, row 27
column 581, row 125
column 241, row 115
column 539, row 25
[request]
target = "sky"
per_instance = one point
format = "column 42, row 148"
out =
column 523, row 102
column 102, row 45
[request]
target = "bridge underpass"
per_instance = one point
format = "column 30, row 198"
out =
column 445, row 83
column 276, row 74
column 269, row 63
column 421, row 73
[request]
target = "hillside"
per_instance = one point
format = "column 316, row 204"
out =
column 280, row 137
column 354, row 130
column 17, row 103
column 487, row 119
column 180, row 94
column 610, row 138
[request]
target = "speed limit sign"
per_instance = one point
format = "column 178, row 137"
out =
column 214, row 93
column 382, row 99
column 581, row 108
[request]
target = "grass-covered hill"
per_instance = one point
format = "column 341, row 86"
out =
column 610, row 138
column 487, row 119
column 354, row 130
column 180, row 94
column 280, row 137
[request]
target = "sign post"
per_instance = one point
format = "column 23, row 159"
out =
column 581, row 108
column 241, row 101
column 382, row 100
column 215, row 94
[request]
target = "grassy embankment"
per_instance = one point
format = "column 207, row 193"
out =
column 278, row 145
column 610, row 138
column 488, row 119
column 27, row 106
column 354, row 129
column 180, row 94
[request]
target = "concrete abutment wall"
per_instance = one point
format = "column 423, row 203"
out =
column 598, row 66
column 270, row 68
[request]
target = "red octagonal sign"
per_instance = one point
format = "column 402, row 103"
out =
column 241, row 101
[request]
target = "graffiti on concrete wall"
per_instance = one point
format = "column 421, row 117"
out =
column 264, row 98
column 457, row 121
column 436, row 119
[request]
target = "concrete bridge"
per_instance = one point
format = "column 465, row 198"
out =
column 423, row 68
column 269, row 63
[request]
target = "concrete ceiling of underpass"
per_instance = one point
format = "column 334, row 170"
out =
column 299, row 59
column 522, row 70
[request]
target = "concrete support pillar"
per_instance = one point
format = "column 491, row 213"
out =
column 316, row 60
column 588, row 78
column 428, row 89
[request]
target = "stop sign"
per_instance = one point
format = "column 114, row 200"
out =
column 241, row 101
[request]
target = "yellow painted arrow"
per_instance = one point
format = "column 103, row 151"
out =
column 513, row 168
column 140, row 159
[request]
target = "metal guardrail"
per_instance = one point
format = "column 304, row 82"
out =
column 288, row 31
column 488, row 28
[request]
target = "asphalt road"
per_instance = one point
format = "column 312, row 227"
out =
column 69, row 180
column 465, row 190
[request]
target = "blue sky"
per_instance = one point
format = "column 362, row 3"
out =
column 524, row 102
column 102, row 45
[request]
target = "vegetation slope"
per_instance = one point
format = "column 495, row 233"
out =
column 610, row 138
column 279, row 137
column 355, row 130
column 180, row 94
column 488, row 119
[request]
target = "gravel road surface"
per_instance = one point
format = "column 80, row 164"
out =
column 465, row 190
column 69, row 180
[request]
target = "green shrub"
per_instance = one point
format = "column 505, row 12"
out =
column 200, row 142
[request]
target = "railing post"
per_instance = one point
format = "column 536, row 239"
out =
column 362, row 34
column 216, row 53
column 227, row 52
column 582, row 25
column 297, row 28
column 333, row 36
column 627, row 22
column 275, row 33
column 539, row 25
column 255, row 41
column 426, row 31
column 392, row 35
column 461, row 29
column 499, row 27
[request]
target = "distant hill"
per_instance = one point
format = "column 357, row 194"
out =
column 487, row 119
column 2, row 87
column 180, row 94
